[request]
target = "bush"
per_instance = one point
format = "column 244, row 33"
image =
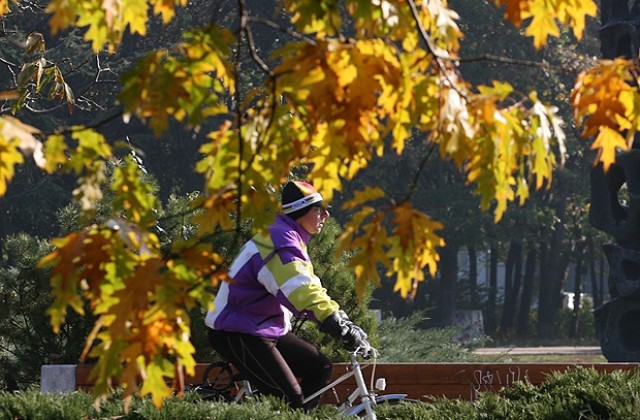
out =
column 401, row 340
column 580, row 393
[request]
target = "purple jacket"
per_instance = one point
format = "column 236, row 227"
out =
column 272, row 279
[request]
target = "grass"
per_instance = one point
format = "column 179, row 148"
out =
column 541, row 358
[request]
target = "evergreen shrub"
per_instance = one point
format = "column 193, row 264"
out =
column 580, row 393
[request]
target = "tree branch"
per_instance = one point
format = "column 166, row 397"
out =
column 294, row 34
column 414, row 182
column 508, row 60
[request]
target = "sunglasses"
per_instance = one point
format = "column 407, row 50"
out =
column 321, row 208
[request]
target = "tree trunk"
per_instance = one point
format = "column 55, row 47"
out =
column 601, row 278
column 522, row 327
column 446, row 303
column 473, row 277
column 596, row 291
column 577, row 292
column 552, row 281
column 513, row 277
column 490, row 323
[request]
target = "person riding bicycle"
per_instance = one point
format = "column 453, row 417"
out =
column 271, row 279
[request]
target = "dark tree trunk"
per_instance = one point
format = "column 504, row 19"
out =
column 601, row 277
column 551, row 282
column 473, row 277
column 513, row 278
column 596, row 291
column 522, row 327
column 446, row 303
column 490, row 324
column 577, row 292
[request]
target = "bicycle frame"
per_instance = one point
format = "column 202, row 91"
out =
column 367, row 397
column 245, row 390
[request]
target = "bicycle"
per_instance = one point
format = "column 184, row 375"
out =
column 221, row 380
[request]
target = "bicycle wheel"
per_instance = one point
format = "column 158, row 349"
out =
column 218, row 376
column 217, row 383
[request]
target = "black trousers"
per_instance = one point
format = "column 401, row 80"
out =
column 288, row 367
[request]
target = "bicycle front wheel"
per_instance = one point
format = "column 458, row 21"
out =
column 217, row 382
column 218, row 376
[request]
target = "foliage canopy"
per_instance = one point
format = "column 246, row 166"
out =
column 356, row 79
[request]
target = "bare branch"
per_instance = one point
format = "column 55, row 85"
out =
column 252, row 48
column 413, row 186
column 271, row 24
column 512, row 61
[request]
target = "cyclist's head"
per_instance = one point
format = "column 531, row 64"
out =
column 302, row 203
column 298, row 197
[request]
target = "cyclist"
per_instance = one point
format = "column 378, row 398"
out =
column 272, row 278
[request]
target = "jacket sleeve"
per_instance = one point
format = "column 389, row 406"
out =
column 292, row 280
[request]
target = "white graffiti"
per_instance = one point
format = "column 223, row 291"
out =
column 494, row 380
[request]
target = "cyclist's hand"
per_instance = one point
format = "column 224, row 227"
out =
column 354, row 337
column 365, row 349
column 340, row 326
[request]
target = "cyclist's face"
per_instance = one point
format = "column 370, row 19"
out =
column 313, row 220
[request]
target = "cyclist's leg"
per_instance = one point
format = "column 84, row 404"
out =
column 260, row 361
column 307, row 363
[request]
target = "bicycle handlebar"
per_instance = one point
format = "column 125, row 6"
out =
column 366, row 351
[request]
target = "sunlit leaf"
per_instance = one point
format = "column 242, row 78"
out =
column 543, row 17
column 34, row 43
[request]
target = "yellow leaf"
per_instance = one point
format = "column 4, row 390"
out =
column 64, row 276
column 134, row 14
column 607, row 142
column 14, row 135
column 321, row 17
column 542, row 25
column 4, row 7
column 63, row 13
column 55, row 149
column 341, row 64
column 606, row 100
column 546, row 14
column 155, row 383
column 362, row 196
column 166, row 8
column 134, row 197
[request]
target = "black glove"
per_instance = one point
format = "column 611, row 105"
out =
column 341, row 328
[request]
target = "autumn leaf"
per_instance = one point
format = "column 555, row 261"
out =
column 361, row 196
column 606, row 103
column 544, row 16
column 4, row 6
column 155, row 383
column 134, row 197
column 413, row 247
column 166, row 8
column 16, row 139
column 134, row 16
column 64, row 276
column 185, row 87
column 370, row 246
column 542, row 25
column 321, row 17
column 55, row 149
column 607, row 143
